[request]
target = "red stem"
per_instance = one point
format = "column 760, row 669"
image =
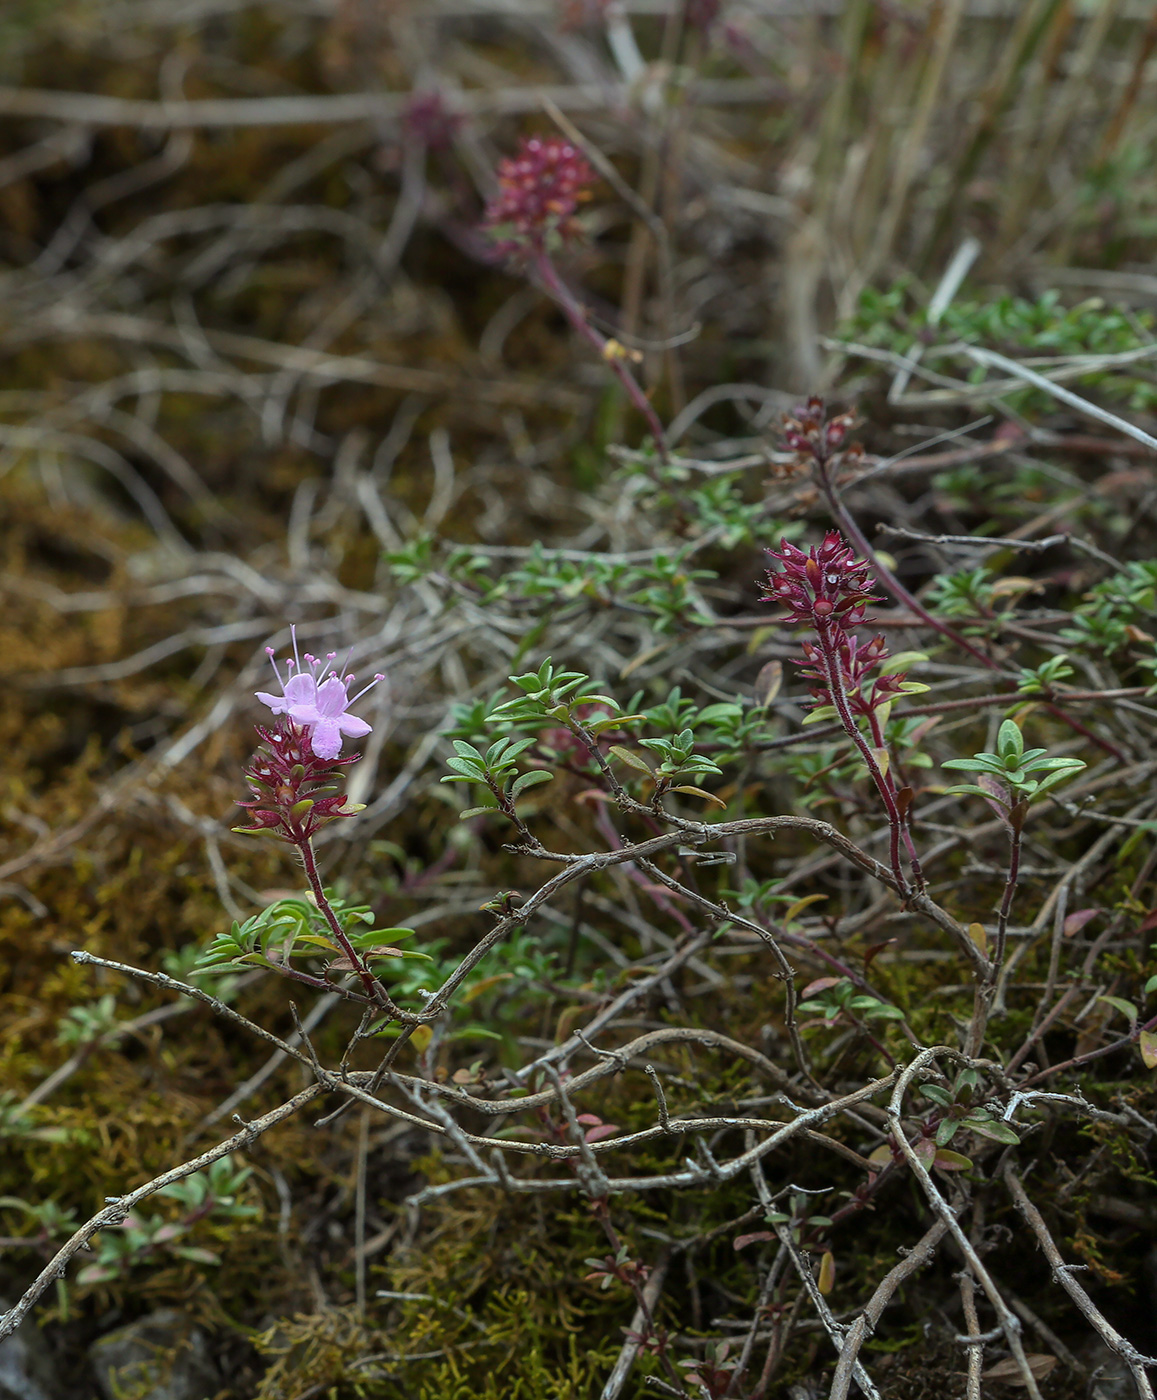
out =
column 577, row 316
column 368, row 981
column 905, row 830
column 829, row 653
column 1131, row 1039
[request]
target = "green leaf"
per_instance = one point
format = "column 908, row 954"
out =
column 1120, row 1004
column 901, row 661
column 820, row 714
column 948, row 1161
column 1053, row 779
column 883, row 1012
column 529, row 780
column 999, row 1132
column 699, row 792
column 600, row 726
column 1044, row 765
column 937, row 1094
column 199, row 1256
column 1010, row 741
column 632, row 760
column 474, row 811
column 476, row 772
column 971, row 790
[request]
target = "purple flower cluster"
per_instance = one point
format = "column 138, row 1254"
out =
column 827, row 590
column 808, row 431
column 828, row 586
column 539, row 192
column 431, row 121
column 856, row 660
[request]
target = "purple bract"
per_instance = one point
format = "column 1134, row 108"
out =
column 539, row 191
column 826, row 585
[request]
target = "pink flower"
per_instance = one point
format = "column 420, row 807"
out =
column 317, row 702
column 539, row 191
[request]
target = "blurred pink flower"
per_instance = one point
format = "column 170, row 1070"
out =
column 539, row 190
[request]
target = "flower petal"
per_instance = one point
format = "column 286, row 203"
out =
column 332, row 698
column 301, row 689
column 352, row 726
column 325, row 738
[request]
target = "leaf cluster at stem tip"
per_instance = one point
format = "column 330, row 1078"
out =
column 1010, row 768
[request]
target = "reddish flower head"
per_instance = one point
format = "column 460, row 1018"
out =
column 429, row 119
column 827, row 585
column 539, row 191
column 808, row 430
column 294, row 790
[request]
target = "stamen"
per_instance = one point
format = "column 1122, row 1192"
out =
column 364, row 688
column 273, row 662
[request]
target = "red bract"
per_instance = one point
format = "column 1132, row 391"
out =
column 539, row 191
column 807, row 431
column 289, row 783
column 828, row 590
column 857, row 660
column 826, row 585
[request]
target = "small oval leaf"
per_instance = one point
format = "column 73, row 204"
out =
column 699, row 792
column 632, row 760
